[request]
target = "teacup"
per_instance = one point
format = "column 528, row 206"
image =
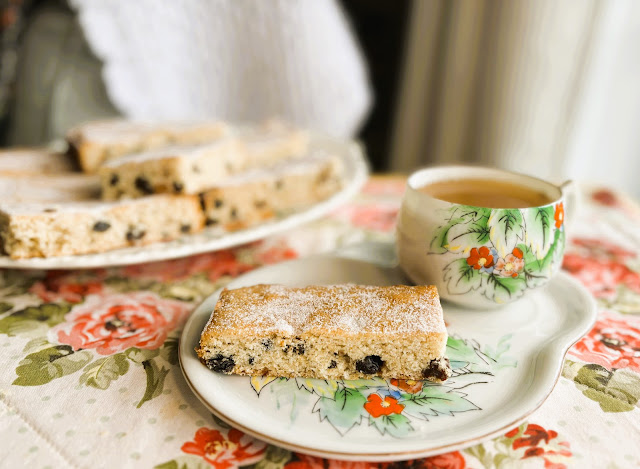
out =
column 481, row 256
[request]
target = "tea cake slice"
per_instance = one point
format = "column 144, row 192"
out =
column 49, row 229
column 61, row 214
column 189, row 169
column 248, row 198
column 328, row 332
column 96, row 142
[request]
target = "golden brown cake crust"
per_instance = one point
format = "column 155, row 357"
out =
column 338, row 309
column 328, row 332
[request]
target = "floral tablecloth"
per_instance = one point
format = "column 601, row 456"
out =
column 90, row 376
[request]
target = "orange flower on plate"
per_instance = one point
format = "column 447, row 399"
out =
column 377, row 406
column 480, row 257
column 559, row 215
column 409, row 385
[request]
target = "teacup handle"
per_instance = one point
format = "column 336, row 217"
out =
column 571, row 201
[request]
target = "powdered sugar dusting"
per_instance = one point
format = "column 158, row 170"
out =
column 186, row 151
column 344, row 309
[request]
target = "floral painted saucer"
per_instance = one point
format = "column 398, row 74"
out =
column 505, row 363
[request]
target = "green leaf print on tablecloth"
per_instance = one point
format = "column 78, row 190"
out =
column 616, row 390
column 94, row 338
column 390, row 405
column 46, row 365
column 103, row 371
column 33, row 320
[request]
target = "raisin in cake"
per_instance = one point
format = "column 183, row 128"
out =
column 188, row 169
column 95, row 142
column 328, row 332
column 249, row 198
column 61, row 215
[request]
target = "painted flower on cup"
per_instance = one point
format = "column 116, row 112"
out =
column 511, row 265
column 113, row 323
column 614, row 342
column 408, row 385
column 377, row 406
column 559, row 215
column 222, row 452
column 480, row 258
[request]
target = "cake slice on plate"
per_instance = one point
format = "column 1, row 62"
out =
column 328, row 332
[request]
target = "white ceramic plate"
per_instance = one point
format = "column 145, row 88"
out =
column 355, row 175
column 505, row 362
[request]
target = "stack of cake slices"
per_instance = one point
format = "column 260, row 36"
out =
column 144, row 183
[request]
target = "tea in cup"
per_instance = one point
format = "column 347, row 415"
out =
column 484, row 237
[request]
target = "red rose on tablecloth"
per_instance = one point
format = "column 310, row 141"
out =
column 605, row 197
column 601, row 267
column 69, row 292
column 112, row 323
column 62, row 286
column 533, row 441
column 214, row 264
column 303, row 461
column 274, row 254
column 233, row 450
column 601, row 249
column 614, row 342
column 533, row 435
column 377, row 217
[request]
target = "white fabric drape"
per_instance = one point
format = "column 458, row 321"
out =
column 539, row 86
column 236, row 60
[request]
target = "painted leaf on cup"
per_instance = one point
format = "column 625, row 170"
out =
column 468, row 214
column 465, row 226
column 506, row 229
column 538, row 229
column 440, row 242
column 460, row 277
column 462, row 236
